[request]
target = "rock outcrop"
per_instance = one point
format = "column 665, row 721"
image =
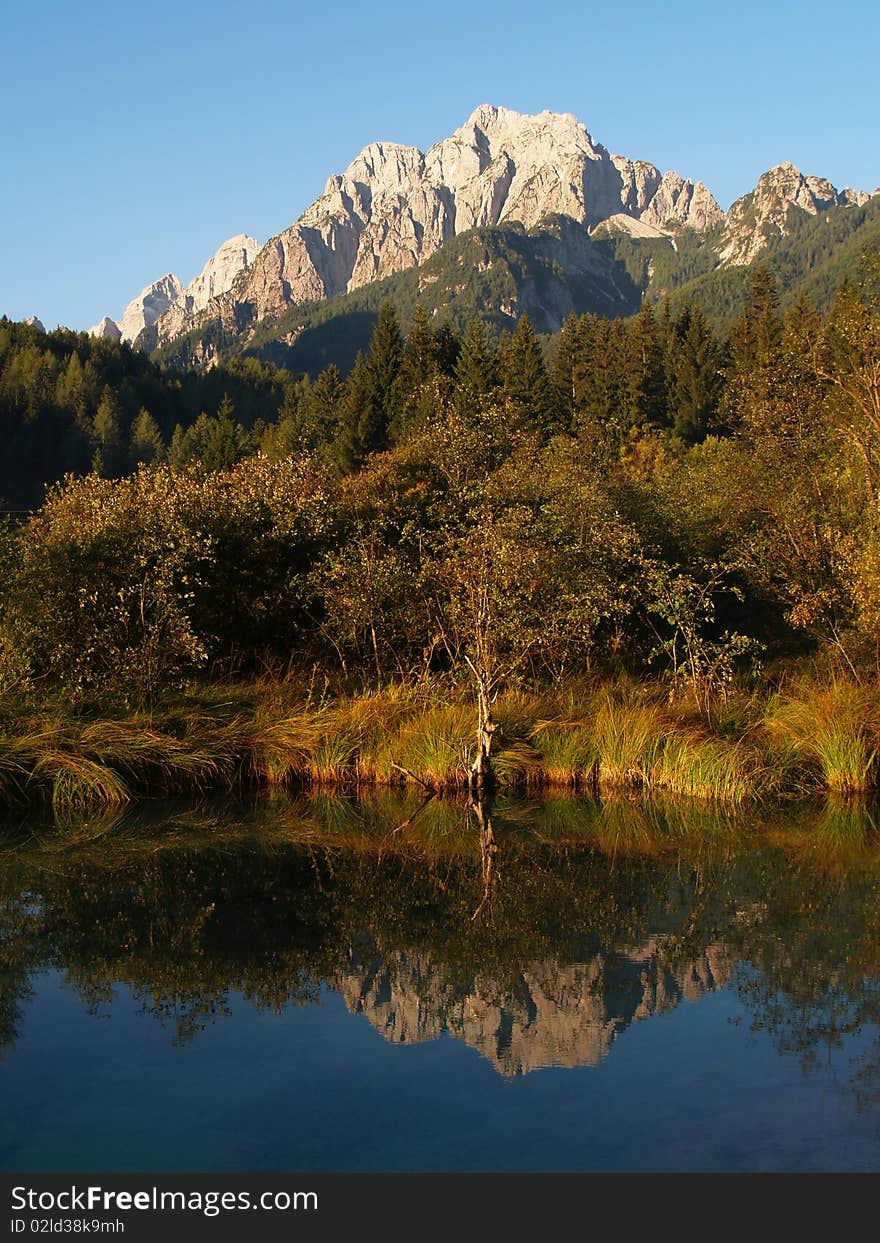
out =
column 166, row 298
column 35, row 323
column 107, row 329
column 145, row 309
column 765, row 212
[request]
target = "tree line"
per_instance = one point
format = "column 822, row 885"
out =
column 633, row 493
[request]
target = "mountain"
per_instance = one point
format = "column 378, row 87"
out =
column 511, row 213
column 495, row 274
column 395, row 206
column 166, row 298
column 763, row 215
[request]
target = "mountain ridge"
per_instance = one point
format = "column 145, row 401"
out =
column 395, row 207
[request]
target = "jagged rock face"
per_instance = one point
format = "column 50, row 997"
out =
column 236, row 254
column 216, row 277
column 35, row 323
column 146, row 308
column 394, row 206
column 107, row 329
column 557, row 1016
column 763, row 213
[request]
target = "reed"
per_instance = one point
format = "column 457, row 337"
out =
column 828, row 734
column 568, row 752
column 623, row 737
column 690, row 764
column 629, row 739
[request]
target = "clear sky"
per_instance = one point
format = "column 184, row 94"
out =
column 137, row 137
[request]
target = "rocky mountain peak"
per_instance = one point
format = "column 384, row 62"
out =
column 107, row 329
column 166, row 298
column 235, row 254
column 150, row 303
column 763, row 213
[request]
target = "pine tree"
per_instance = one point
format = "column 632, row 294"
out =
column 177, row 454
column 526, row 384
column 695, row 381
column 383, row 364
column 600, row 381
column 475, row 370
column 224, row 442
column 371, row 401
column 418, row 385
column 110, row 457
column 754, row 353
column 645, row 400
column 319, row 408
column 350, row 451
column 146, row 443
column 564, row 370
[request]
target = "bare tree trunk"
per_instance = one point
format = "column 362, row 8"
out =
column 481, row 777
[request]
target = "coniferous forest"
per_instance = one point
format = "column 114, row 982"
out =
column 637, row 554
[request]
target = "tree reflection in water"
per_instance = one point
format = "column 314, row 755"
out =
column 536, row 932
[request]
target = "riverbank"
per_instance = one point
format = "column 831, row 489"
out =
column 592, row 737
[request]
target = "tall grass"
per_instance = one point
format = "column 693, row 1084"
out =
column 600, row 740
column 829, row 735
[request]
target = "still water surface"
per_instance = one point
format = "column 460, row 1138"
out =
column 332, row 985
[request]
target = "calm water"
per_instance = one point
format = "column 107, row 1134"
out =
column 328, row 985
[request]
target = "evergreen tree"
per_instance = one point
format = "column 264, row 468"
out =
column 177, row 453
column 384, row 362
column 757, row 334
column 110, row 457
column 146, row 443
column 600, row 381
column 319, row 406
column 421, row 380
column 564, row 370
column 224, row 442
column 350, row 450
column 526, row 384
column 645, row 397
column 695, row 381
column 371, row 401
column 754, row 351
column 475, row 369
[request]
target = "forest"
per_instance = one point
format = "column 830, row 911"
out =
column 636, row 554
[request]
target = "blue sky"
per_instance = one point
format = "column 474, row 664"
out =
column 137, row 138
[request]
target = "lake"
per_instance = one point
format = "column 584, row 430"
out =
column 332, row 984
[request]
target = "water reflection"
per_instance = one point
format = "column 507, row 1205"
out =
column 536, row 935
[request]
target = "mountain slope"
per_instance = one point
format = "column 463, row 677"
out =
column 496, row 274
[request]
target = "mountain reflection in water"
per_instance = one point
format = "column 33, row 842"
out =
column 581, row 921
column 552, row 1015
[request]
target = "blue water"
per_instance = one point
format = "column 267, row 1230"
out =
column 317, row 1088
column 187, row 1008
